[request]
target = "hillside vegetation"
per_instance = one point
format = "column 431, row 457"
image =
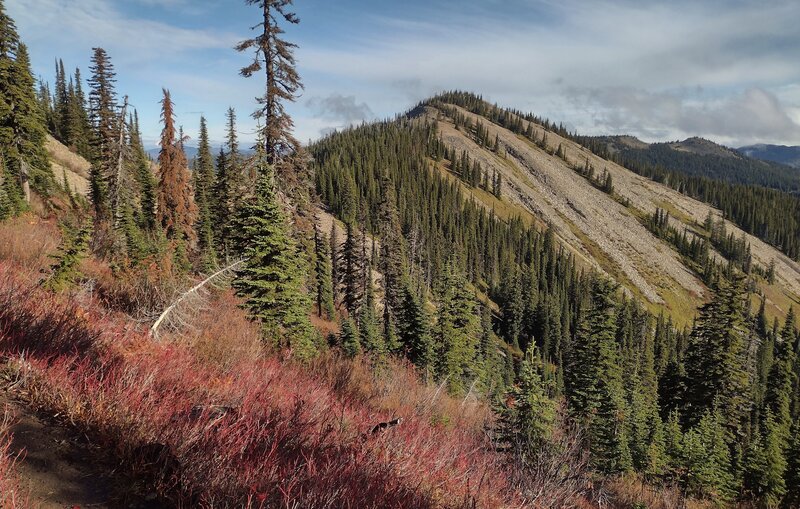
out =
column 463, row 307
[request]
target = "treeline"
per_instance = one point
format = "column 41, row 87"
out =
column 770, row 214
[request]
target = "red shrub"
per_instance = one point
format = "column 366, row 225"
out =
column 260, row 433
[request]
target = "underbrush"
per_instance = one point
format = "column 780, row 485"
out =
column 11, row 496
column 246, row 432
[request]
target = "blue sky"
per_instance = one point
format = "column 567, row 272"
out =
column 725, row 70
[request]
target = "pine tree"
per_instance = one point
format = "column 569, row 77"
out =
column 595, row 385
column 369, row 326
column 145, row 179
column 65, row 268
column 323, row 270
column 792, row 498
column 349, row 338
column 414, row 331
column 392, row 252
column 103, row 118
column 457, row 330
column 227, row 190
column 715, row 359
column 203, row 177
column 177, row 211
column 354, row 267
column 528, row 419
column 22, row 126
column 272, row 279
column 765, row 464
column 80, row 127
column 707, row 459
column 274, row 55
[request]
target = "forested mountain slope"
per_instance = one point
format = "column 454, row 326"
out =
column 600, row 211
column 704, row 158
column 789, row 156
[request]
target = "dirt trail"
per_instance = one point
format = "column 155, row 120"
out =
column 59, row 468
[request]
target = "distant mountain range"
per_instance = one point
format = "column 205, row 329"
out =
column 789, row 156
column 191, row 152
column 700, row 157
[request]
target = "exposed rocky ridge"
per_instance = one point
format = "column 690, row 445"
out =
column 602, row 230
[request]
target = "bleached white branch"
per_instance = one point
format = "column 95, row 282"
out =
column 188, row 293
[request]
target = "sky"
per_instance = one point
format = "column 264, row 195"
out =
column 726, row 70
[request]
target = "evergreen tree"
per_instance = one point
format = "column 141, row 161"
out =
column 103, row 118
column 457, row 331
column 65, row 268
column 275, row 56
column 369, row 326
column 227, row 188
column 392, row 253
column 595, row 385
column 792, row 498
column 715, row 360
column 203, row 177
column 272, row 279
column 349, row 338
column 144, row 177
column 765, row 464
column 707, row 459
column 414, row 331
column 323, row 270
column 22, row 127
column 528, row 419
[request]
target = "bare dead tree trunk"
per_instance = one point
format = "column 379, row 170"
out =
column 187, row 294
column 24, row 179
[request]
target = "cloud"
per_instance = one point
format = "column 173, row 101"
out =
column 99, row 22
column 340, row 108
column 531, row 54
column 754, row 114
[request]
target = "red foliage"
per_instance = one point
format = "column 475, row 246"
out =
column 11, row 496
column 260, row 433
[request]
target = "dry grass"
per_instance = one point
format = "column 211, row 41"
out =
column 28, row 241
column 11, row 495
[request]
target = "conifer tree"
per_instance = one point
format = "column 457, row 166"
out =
column 323, row 270
column 65, row 267
column 392, row 252
column 792, row 498
column 22, row 127
column 354, row 266
column 349, row 338
column 228, row 188
column 103, row 118
column 457, row 330
column 145, row 178
column 715, row 360
column 765, row 464
column 595, row 385
column 369, row 325
column 177, row 211
column 275, row 56
column 203, row 177
column 527, row 421
column 414, row 331
column 272, row 280
column 707, row 459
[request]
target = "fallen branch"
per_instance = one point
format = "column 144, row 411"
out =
column 191, row 291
